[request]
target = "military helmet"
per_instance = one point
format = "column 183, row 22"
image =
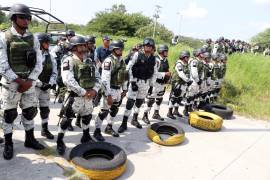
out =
column 209, row 40
column 197, row 52
column 162, row 47
column 70, row 33
column 221, row 38
column 90, row 39
column 43, row 37
column 116, row 44
column 184, row 54
column 76, row 40
column 207, row 55
column 19, row 9
column 149, row 41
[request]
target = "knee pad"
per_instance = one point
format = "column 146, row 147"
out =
column 29, row 113
column 65, row 123
column 130, row 103
column 113, row 110
column 150, row 102
column 103, row 114
column 44, row 112
column 159, row 101
column 10, row 115
column 86, row 119
column 178, row 101
column 139, row 102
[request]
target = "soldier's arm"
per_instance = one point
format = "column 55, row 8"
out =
column 194, row 71
column 38, row 67
column 98, row 80
column 54, row 71
column 153, row 79
column 130, row 65
column 68, row 77
column 180, row 71
column 160, row 75
column 106, row 75
column 5, row 69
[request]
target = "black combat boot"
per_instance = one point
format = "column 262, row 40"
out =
column 98, row 135
column 170, row 114
column 185, row 112
column 109, row 130
column 31, row 142
column 157, row 116
column 45, row 131
column 70, row 127
column 61, row 147
column 78, row 121
column 123, row 126
column 145, row 118
column 8, row 148
column 176, row 112
column 135, row 121
column 1, row 140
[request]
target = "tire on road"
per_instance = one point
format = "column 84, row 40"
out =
column 177, row 134
column 220, row 110
column 80, row 156
column 205, row 121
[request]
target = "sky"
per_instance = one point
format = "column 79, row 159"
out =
column 234, row 19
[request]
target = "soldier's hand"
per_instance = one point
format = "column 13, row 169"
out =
column 109, row 100
column 45, row 86
column 90, row 94
column 168, row 74
column 25, row 86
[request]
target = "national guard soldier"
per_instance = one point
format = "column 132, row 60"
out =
column 91, row 46
column 20, row 66
column 142, row 72
column 180, row 83
column 155, row 94
column 208, row 46
column 83, row 81
column 45, row 82
column 205, row 87
column 114, row 77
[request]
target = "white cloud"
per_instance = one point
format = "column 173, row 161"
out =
column 260, row 26
column 262, row 1
column 194, row 12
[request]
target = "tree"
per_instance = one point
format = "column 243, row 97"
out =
column 263, row 38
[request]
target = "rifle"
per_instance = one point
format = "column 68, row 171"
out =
column 64, row 108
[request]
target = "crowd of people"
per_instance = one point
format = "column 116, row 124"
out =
column 85, row 77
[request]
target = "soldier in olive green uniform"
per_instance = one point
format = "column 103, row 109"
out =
column 83, row 82
column 114, row 80
column 20, row 66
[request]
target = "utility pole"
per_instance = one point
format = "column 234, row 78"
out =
column 156, row 16
column 50, row 10
column 180, row 22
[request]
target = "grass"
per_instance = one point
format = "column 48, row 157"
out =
column 247, row 85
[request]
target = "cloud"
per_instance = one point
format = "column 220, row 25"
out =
column 259, row 25
column 194, row 12
column 262, row 1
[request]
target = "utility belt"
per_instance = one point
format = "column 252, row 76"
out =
column 73, row 94
column 161, row 81
column 23, row 75
column 115, row 87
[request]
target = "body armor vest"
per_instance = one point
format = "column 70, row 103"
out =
column 119, row 74
column 47, row 70
column 144, row 67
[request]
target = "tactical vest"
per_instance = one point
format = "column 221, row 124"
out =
column 164, row 66
column 207, row 71
column 46, row 73
column 144, row 67
column 119, row 74
column 18, row 49
column 84, row 73
column 175, row 76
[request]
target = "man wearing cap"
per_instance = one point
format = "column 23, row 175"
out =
column 20, row 66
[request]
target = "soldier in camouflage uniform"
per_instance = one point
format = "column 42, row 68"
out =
column 208, row 45
column 83, row 82
column 20, row 66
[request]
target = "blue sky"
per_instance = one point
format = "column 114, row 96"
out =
column 239, row 19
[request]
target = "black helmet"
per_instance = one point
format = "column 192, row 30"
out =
column 184, row 54
column 76, row 40
column 149, row 41
column 116, row 44
column 90, row 39
column 19, row 9
column 70, row 33
column 162, row 47
column 209, row 40
column 43, row 37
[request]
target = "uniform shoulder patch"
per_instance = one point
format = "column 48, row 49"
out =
column 107, row 66
column 66, row 65
column 194, row 64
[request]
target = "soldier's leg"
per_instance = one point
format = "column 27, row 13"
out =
column 85, row 126
column 103, row 113
column 149, row 103
column 113, row 112
column 172, row 102
column 136, row 109
column 156, row 114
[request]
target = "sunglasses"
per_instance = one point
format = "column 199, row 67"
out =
column 22, row 16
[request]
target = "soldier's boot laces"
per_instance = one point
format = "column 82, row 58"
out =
column 157, row 116
column 45, row 132
column 109, row 130
column 145, row 118
column 98, row 135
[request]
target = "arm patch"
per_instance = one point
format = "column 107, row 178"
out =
column 194, row 64
column 65, row 66
column 107, row 66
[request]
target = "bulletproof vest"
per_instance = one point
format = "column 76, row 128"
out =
column 46, row 73
column 185, row 69
column 144, row 67
column 164, row 66
column 20, row 52
column 119, row 74
column 84, row 73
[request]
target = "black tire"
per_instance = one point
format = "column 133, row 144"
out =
column 167, row 128
column 219, row 109
column 113, row 168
